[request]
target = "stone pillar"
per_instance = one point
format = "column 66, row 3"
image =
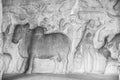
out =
column 1, row 43
column 119, row 61
column 119, row 64
column 1, row 16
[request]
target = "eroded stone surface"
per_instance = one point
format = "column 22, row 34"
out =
column 71, row 20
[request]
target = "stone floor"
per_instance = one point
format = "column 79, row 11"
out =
column 46, row 76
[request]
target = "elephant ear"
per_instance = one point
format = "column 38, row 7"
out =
column 8, row 29
column 27, row 25
column 6, row 32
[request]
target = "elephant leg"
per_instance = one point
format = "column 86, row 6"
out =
column 22, row 68
column 56, row 66
column 65, row 65
column 29, row 64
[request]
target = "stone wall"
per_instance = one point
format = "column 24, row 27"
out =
column 75, row 18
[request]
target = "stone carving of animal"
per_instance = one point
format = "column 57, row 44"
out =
column 113, row 46
column 111, row 49
column 41, row 45
column 105, row 52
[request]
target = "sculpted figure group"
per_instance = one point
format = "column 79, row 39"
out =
column 55, row 46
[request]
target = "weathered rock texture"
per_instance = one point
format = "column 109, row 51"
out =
column 75, row 18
